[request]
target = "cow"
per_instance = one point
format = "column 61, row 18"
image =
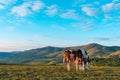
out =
column 79, row 57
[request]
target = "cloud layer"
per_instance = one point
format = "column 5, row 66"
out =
column 70, row 14
column 27, row 8
column 52, row 10
column 90, row 11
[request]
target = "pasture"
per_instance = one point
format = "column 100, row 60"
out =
column 57, row 72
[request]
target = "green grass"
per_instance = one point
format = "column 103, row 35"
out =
column 55, row 72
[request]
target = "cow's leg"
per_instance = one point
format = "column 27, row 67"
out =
column 83, row 66
column 68, row 66
column 76, row 63
column 64, row 59
column 80, row 65
column 88, row 65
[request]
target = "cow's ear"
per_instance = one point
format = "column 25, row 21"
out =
column 64, row 52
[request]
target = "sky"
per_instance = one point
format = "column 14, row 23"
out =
column 29, row 24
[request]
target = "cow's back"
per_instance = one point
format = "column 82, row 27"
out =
column 79, row 54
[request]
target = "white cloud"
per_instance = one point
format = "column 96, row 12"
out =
column 37, row 6
column 3, row 2
column 7, row 1
column 111, row 7
column 52, row 10
column 27, row 8
column 111, row 11
column 2, row 7
column 108, row 7
column 84, row 26
column 90, row 11
column 70, row 14
column 22, row 10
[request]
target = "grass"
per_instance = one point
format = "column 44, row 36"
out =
column 55, row 72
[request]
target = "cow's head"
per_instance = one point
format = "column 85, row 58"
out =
column 67, row 55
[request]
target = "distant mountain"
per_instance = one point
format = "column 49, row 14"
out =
column 34, row 54
column 53, row 55
column 5, row 54
column 97, row 50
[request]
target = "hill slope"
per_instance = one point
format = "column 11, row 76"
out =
column 52, row 55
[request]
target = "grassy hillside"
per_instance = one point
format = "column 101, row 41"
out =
column 117, row 53
column 112, row 61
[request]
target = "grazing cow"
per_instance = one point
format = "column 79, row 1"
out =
column 79, row 57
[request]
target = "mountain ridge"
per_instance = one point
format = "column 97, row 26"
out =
column 49, row 53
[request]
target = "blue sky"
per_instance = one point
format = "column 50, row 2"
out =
column 28, row 24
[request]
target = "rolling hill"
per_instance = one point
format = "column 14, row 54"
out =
column 53, row 55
